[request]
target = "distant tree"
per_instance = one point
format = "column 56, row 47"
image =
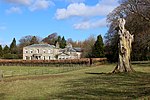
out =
column 13, row 47
column 34, row 40
column 87, row 46
column 26, row 41
column 59, row 39
column 111, row 47
column 6, row 50
column 69, row 40
column 63, row 42
column 51, row 39
column 98, row 48
column 1, row 51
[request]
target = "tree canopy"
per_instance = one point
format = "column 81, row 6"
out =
column 137, row 16
column 98, row 48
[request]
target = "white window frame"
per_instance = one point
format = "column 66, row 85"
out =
column 26, row 51
column 31, row 51
column 49, row 51
column 44, row 51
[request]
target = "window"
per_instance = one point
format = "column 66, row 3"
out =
column 49, row 57
column 27, row 58
column 26, row 51
column 44, row 51
column 49, row 51
column 31, row 51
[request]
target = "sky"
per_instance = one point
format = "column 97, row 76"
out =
column 76, row 19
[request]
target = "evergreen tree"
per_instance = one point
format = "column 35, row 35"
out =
column 98, row 49
column 13, row 47
column 63, row 43
column 6, row 50
column 58, row 41
column 34, row 40
column 1, row 51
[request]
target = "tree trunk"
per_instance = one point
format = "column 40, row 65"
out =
column 125, row 47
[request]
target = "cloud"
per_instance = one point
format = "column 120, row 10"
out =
column 31, row 4
column 19, row 2
column 74, row 1
column 40, row 4
column 80, row 9
column 13, row 10
column 90, row 24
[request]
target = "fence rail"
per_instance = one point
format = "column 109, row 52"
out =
column 12, row 73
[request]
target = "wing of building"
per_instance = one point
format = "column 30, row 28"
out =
column 50, row 52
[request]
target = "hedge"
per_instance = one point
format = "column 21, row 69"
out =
column 85, row 61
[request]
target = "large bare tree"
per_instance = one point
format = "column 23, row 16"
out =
column 137, row 16
column 125, row 47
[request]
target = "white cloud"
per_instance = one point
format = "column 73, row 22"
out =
column 40, row 4
column 80, row 9
column 13, row 10
column 19, row 2
column 75, row 1
column 90, row 24
column 31, row 4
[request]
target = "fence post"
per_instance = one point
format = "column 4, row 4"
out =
column 42, row 71
column 12, row 73
column 28, row 71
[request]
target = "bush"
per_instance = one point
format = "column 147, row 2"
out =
column 10, row 56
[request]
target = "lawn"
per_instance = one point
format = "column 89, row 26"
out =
column 12, row 71
column 88, row 83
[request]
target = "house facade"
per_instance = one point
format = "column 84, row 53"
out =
column 50, row 52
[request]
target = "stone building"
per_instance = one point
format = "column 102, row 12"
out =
column 50, row 52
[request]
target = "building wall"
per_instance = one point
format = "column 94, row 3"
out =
column 47, row 53
column 44, row 53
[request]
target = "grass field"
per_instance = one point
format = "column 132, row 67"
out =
column 88, row 83
column 11, row 71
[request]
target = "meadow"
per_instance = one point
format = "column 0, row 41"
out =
column 75, row 82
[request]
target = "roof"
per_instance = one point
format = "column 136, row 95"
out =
column 41, row 45
column 78, row 49
column 63, row 54
column 70, row 50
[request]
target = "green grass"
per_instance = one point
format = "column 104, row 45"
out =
column 89, row 83
column 9, row 71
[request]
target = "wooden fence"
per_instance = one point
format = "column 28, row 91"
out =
column 26, row 72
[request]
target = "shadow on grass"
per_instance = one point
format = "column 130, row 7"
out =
column 95, row 73
column 107, row 86
column 2, row 96
column 142, row 65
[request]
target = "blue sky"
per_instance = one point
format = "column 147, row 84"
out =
column 76, row 19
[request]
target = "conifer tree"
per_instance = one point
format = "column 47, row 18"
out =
column 1, row 51
column 98, row 49
column 58, row 41
column 63, row 43
column 6, row 50
column 13, row 47
column 34, row 40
